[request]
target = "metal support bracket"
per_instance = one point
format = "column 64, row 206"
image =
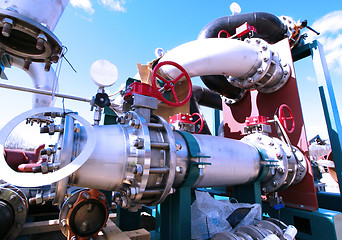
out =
column 175, row 211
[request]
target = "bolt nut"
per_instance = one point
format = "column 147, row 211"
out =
column 179, row 169
column 138, row 143
column 63, row 222
column 275, row 183
column 7, row 27
column 41, row 39
column 172, row 191
column 20, row 209
column 263, row 189
column 13, row 198
column 85, row 195
column 69, row 205
column 280, row 170
column 19, row 225
column 138, row 169
column 47, row 65
column 77, row 128
column 129, row 116
column 260, row 70
column 102, row 197
column 264, row 47
column 134, row 123
column 250, row 80
column 178, row 147
column 266, row 59
column 121, row 120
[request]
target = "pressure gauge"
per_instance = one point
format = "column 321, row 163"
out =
column 103, row 73
column 235, row 8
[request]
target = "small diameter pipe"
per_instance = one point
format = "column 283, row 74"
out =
column 43, row 92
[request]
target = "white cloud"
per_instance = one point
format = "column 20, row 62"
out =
column 84, row 4
column 330, row 27
column 114, row 5
column 311, row 79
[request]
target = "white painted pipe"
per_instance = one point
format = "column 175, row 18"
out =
column 45, row 12
column 41, row 80
column 213, row 56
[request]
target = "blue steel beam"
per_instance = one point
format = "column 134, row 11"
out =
column 329, row 104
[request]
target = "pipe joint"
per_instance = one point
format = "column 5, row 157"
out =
column 269, row 74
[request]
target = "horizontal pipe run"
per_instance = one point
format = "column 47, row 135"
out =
column 43, row 92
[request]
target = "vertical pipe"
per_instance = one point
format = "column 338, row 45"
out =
column 44, row 12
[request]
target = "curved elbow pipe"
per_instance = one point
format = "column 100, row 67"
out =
column 41, row 80
column 207, row 98
column 213, row 56
column 269, row 27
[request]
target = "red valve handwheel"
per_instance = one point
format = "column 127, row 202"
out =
column 169, row 85
column 283, row 118
column 199, row 119
column 223, row 31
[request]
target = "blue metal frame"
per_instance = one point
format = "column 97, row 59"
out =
column 329, row 104
column 332, row 201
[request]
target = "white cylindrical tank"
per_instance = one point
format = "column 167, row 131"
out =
column 44, row 12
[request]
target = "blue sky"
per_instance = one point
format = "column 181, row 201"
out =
column 127, row 32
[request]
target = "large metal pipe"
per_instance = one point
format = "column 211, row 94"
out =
column 44, row 12
column 249, row 64
column 232, row 162
column 41, row 80
column 213, row 56
column 144, row 160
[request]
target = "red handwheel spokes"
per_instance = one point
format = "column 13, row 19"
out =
column 283, row 118
column 199, row 119
column 169, row 85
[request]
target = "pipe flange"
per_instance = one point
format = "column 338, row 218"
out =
column 279, row 75
column 34, row 179
column 139, row 157
column 27, row 39
column 302, row 168
column 139, row 184
column 270, row 74
column 274, row 160
column 170, row 161
column 18, row 203
column 261, row 68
